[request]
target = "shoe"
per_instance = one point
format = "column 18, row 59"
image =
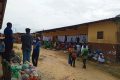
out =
column 84, row 67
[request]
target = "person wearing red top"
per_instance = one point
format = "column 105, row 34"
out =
column 73, row 58
column 70, row 49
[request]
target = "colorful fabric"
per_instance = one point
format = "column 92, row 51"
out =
column 15, row 71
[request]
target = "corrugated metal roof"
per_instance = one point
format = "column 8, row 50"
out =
column 76, row 26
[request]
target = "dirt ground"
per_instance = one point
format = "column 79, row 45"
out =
column 53, row 65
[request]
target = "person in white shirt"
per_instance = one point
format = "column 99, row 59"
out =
column 83, row 46
column 101, row 58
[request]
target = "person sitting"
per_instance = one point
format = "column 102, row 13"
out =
column 90, row 54
column 96, row 54
column 101, row 58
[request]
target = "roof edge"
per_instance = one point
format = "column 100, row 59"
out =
column 77, row 25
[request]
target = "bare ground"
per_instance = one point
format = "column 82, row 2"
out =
column 53, row 65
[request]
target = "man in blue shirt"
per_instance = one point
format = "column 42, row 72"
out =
column 36, row 51
column 8, row 41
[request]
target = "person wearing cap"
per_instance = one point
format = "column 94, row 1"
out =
column 27, row 41
column 8, row 33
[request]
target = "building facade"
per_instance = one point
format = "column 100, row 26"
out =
column 100, row 35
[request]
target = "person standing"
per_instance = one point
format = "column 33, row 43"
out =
column 73, row 57
column 27, row 41
column 101, row 58
column 84, row 55
column 8, row 41
column 36, row 51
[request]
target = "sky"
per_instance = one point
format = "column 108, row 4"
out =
column 48, row 14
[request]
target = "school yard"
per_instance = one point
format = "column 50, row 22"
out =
column 53, row 66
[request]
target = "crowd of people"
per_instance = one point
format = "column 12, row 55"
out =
column 27, row 40
column 75, row 50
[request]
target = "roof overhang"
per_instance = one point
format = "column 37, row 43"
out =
column 2, row 11
column 75, row 27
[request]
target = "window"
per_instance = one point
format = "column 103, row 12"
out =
column 100, row 35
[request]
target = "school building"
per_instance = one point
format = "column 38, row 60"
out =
column 101, row 35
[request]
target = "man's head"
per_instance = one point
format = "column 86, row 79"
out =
column 37, row 39
column 9, row 24
column 27, row 30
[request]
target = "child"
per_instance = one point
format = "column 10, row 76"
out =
column 70, row 50
column 73, row 58
column 36, row 50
